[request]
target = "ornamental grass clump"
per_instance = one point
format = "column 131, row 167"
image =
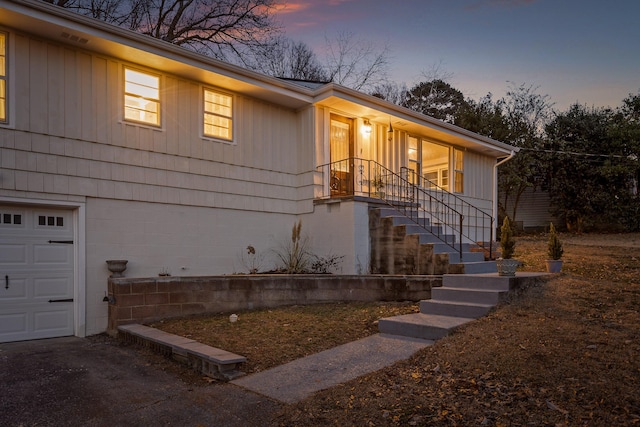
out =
column 554, row 246
column 295, row 256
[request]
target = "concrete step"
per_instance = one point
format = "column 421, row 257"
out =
column 413, row 228
column 468, row 295
column 467, row 257
column 460, row 300
column 420, row 325
column 445, row 240
column 472, row 267
column 488, row 281
column 455, row 308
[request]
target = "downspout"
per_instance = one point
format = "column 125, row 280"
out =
column 495, row 184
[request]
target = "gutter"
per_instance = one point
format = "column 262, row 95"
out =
column 495, row 183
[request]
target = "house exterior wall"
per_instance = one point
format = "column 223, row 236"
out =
column 341, row 228
column 478, row 178
column 163, row 198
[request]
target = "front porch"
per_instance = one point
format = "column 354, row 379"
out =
column 414, row 226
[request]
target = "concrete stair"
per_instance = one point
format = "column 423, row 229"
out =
column 442, row 245
column 462, row 298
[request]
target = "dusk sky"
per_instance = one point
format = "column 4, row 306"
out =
column 585, row 51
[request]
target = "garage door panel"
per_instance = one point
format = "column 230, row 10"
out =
column 52, row 254
column 53, row 287
column 14, row 289
column 55, row 319
column 13, row 324
column 13, row 253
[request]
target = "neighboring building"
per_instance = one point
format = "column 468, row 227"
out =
column 533, row 212
column 115, row 145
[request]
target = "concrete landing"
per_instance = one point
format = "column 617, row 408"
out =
column 296, row 380
column 421, row 325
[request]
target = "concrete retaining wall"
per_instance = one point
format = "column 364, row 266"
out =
column 143, row 300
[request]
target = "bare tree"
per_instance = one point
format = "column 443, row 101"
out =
column 390, row 91
column 225, row 29
column 356, row 63
column 289, row 59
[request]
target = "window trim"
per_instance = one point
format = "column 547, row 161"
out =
column 125, row 93
column 204, row 113
column 457, row 172
column 5, row 79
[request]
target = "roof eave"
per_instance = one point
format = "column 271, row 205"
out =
column 405, row 118
column 45, row 20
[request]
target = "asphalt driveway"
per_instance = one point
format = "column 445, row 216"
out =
column 97, row 381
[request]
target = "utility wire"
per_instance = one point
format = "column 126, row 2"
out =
column 574, row 153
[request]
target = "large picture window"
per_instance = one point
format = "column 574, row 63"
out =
column 435, row 165
column 218, row 115
column 141, row 97
column 3, row 78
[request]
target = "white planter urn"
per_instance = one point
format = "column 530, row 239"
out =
column 554, row 265
column 507, row 267
column 116, row 267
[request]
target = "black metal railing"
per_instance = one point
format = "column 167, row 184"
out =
column 445, row 215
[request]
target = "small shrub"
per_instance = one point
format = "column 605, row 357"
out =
column 326, row 265
column 252, row 260
column 507, row 243
column 554, row 246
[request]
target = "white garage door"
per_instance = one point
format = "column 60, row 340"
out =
column 36, row 267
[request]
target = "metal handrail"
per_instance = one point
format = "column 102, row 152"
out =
column 368, row 178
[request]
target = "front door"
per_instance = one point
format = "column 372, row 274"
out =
column 342, row 149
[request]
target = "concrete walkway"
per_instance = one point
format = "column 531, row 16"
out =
column 296, row 380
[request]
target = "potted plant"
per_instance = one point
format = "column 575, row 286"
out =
column 555, row 251
column 506, row 265
column 378, row 183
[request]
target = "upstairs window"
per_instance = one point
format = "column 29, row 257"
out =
column 218, row 115
column 141, row 97
column 3, row 78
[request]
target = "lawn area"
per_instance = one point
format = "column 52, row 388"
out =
column 564, row 353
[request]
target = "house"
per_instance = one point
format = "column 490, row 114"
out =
column 533, row 212
column 114, row 145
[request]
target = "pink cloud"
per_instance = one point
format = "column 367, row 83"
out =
column 293, row 7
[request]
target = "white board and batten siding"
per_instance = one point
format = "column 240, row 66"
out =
column 68, row 143
column 37, row 268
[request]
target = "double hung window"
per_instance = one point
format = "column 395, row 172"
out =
column 218, row 115
column 141, row 97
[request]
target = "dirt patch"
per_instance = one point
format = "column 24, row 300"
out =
column 269, row 338
column 628, row 240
